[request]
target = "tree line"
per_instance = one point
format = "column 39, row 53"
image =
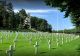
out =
column 40, row 24
column 11, row 20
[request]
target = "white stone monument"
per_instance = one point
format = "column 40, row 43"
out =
column 10, row 52
column 36, row 47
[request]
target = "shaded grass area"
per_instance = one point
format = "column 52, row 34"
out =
column 68, row 49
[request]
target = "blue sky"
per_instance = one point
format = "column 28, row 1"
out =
column 39, row 9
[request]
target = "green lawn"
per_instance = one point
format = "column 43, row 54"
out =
column 25, row 41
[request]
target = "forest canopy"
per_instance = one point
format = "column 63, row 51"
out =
column 11, row 20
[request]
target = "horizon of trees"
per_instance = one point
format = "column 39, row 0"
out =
column 40, row 24
column 11, row 20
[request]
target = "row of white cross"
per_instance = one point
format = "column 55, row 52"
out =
column 39, row 36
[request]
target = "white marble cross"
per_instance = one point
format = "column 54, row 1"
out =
column 10, row 52
column 62, row 40
column 30, row 40
column 49, row 44
column 77, row 36
column 14, row 45
column 1, row 39
column 57, row 40
column 66, row 39
column 36, row 47
column 16, row 37
column 57, row 33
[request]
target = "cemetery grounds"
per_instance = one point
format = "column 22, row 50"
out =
column 38, row 44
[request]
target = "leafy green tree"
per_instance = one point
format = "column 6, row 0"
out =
column 34, row 22
column 23, row 15
column 11, row 16
column 11, row 20
column 49, row 28
column 40, row 24
column 6, row 11
column 3, row 13
column 17, row 20
column 70, row 7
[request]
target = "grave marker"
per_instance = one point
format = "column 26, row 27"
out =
column 49, row 44
column 1, row 39
column 57, row 40
column 30, row 40
column 10, row 52
column 62, row 40
column 36, row 48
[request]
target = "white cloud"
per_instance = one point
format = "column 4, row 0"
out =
column 71, row 27
column 37, row 10
column 40, row 11
column 16, row 10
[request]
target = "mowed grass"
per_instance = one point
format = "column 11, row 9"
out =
column 25, row 42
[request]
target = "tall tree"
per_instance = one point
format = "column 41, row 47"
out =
column 3, row 12
column 40, row 24
column 70, row 7
column 6, row 11
column 23, row 15
column 11, row 15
